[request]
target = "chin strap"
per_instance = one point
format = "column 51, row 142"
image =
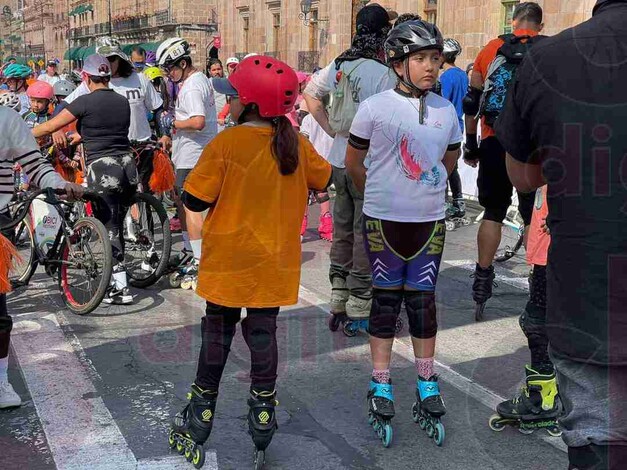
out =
column 415, row 91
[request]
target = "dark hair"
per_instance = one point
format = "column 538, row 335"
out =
column 125, row 69
column 99, row 80
column 213, row 61
column 187, row 59
column 407, row 17
column 140, row 50
column 450, row 58
column 162, row 88
column 528, row 11
column 470, row 67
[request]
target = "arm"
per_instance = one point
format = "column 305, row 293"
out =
column 193, row 203
column 59, row 122
column 316, row 109
column 194, row 123
column 476, row 82
column 450, row 158
column 526, row 177
column 355, row 166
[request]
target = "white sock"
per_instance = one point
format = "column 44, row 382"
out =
column 4, row 367
column 186, row 244
column 196, row 248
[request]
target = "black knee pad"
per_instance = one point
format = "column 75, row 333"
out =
column 259, row 331
column 386, row 306
column 533, row 321
column 421, row 314
column 495, row 214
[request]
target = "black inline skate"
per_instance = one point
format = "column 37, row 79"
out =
column 381, row 410
column 192, row 426
column 261, row 423
column 537, row 407
column 482, row 289
column 456, row 215
column 429, row 408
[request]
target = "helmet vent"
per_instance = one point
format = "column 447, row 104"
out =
column 268, row 65
column 280, row 71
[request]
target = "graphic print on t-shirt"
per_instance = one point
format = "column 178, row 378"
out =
column 410, row 164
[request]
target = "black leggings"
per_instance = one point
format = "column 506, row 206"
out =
column 6, row 325
column 259, row 331
column 533, row 321
column 115, row 180
column 456, row 184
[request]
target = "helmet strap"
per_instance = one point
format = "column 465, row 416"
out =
column 406, row 80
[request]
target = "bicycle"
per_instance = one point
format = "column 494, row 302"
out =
column 512, row 235
column 81, row 246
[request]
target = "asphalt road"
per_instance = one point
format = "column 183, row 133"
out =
column 99, row 391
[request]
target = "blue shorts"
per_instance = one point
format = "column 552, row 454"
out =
column 404, row 254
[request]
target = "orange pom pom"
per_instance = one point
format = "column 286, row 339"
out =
column 163, row 177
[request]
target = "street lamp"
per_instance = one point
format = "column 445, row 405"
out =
column 305, row 9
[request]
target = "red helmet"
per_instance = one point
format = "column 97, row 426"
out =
column 269, row 83
column 40, row 89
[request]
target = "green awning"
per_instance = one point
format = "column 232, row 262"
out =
column 85, row 52
column 70, row 54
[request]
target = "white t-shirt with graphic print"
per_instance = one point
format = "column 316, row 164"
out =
column 142, row 97
column 406, row 178
column 369, row 78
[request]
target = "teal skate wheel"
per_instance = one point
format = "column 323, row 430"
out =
column 439, row 434
column 371, row 419
column 430, row 430
column 171, row 440
column 350, row 329
column 422, row 422
column 495, row 423
column 386, row 435
column 414, row 413
column 198, row 456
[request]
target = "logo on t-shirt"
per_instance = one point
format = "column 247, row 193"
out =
column 133, row 94
column 414, row 167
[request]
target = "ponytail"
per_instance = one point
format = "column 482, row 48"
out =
column 285, row 145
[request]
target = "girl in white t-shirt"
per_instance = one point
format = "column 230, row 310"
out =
column 322, row 142
column 412, row 139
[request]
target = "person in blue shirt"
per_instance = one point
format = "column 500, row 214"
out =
column 454, row 87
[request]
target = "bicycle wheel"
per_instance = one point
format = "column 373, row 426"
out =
column 147, row 240
column 512, row 236
column 86, row 266
column 24, row 266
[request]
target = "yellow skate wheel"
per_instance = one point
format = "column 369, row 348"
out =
column 198, row 456
column 186, row 284
column 194, row 284
column 180, row 448
column 175, row 280
column 171, row 440
column 495, row 423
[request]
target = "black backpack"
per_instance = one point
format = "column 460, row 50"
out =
column 501, row 72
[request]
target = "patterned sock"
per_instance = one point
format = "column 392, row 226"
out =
column 424, row 366
column 381, row 376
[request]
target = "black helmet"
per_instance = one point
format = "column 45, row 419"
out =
column 412, row 36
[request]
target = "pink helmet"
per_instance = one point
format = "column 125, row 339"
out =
column 40, row 89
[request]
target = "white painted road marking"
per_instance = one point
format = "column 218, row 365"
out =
column 466, row 385
column 80, row 430
column 521, row 283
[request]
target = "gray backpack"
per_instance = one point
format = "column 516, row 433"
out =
column 343, row 106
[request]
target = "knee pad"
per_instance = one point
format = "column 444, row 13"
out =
column 386, row 306
column 533, row 321
column 421, row 314
column 259, row 331
column 495, row 214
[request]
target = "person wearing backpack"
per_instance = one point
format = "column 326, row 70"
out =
column 488, row 89
column 355, row 75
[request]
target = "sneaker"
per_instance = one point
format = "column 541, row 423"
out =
column 118, row 297
column 358, row 308
column 325, row 229
column 175, row 224
column 339, row 295
column 8, row 397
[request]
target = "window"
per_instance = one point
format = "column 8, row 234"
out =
column 432, row 17
column 276, row 30
column 245, row 27
column 509, row 7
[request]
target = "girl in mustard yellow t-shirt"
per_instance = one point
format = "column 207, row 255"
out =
column 254, row 179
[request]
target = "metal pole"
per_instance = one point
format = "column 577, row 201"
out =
column 69, row 61
column 43, row 30
column 109, row 17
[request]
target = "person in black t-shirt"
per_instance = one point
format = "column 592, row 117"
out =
column 104, row 118
column 563, row 124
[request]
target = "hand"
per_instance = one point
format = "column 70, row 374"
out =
column 74, row 191
column 167, row 122
column 75, row 138
column 59, row 139
column 471, row 156
column 221, row 122
column 166, row 143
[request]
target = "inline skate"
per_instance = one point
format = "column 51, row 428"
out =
column 482, row 288
column 381, row 410
column 358, row 312
column 537, row 407
column 192, row 426
column 339, row 297
column 429, row 408
column 183, row 271
column 456, row 215
column 261, row 423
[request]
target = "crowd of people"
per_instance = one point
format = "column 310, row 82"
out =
column 386, row 123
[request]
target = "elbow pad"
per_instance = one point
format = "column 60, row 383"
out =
column 472, row 101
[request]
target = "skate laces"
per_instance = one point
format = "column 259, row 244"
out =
column 264, row 396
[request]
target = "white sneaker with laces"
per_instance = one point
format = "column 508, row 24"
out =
column 8, row 397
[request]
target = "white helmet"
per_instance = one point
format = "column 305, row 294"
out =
column 171, row 50
column 10, row 100
column 250, row 55
column 452, row 48
column 232, row 60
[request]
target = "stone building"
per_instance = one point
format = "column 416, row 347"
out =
column 11, row 28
